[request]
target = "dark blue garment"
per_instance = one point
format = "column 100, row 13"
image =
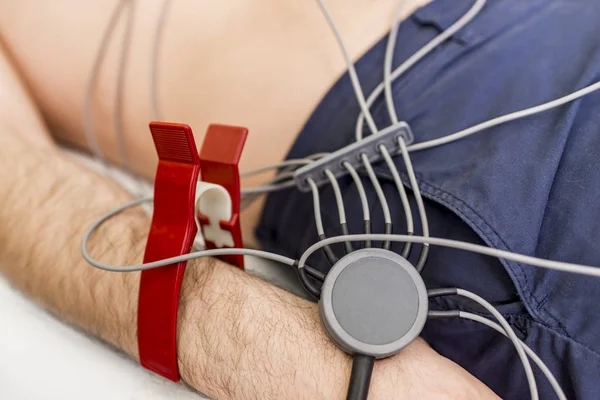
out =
column 530, row 186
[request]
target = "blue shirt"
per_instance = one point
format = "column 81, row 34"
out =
column 530, row 186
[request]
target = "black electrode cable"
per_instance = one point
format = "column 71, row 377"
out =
column 360, row 378
column 306, row 283
column 314, row 273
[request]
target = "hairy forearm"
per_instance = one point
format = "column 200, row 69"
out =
column 42, row 217
column 249, row 339
column 239, row 337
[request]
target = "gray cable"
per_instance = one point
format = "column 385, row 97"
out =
column 338, row 196
column 361, row 190
column 363, row 199
column 156, row 48
column 420, row 206
column 118, row 105
column 388, row 79
column 317, row 155
column 415, row 58
column 455, row 244
column 268, row 188
column 534, row 357
column 387, row 66
column 351, row 71
column 248, row 199
column 316, row 206
column 168, row 261
column 402, row 192
column 381, row 196
column 339, row 199
column 286, row 163
column 283, row 180
column 384, row 205
column 388, row 61
column 505, row 118
column 329, row 254
column 282, row 176
column 511, row 334
column 488, row 322
column 88, row 128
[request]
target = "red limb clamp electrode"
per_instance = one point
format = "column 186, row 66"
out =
column 171, row 234
column 174, row 228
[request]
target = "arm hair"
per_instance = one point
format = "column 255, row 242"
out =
column 238, row 337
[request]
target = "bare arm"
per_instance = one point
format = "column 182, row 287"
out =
column 239, row 337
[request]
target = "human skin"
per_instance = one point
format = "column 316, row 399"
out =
column 238, row 337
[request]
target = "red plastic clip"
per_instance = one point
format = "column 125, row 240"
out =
column 171, row 234
column 219, row 158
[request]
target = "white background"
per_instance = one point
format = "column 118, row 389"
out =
column 42, row 358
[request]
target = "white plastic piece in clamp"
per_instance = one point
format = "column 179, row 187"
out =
column 214, row 202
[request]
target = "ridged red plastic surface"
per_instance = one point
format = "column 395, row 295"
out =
column 219, row 157
column 171, row 234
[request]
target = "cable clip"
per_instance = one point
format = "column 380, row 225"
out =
column 218, row 193
column 352, row 154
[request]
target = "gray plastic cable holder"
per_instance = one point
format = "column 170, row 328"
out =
column 370, row 146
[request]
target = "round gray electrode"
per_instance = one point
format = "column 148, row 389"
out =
column 373, row 302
